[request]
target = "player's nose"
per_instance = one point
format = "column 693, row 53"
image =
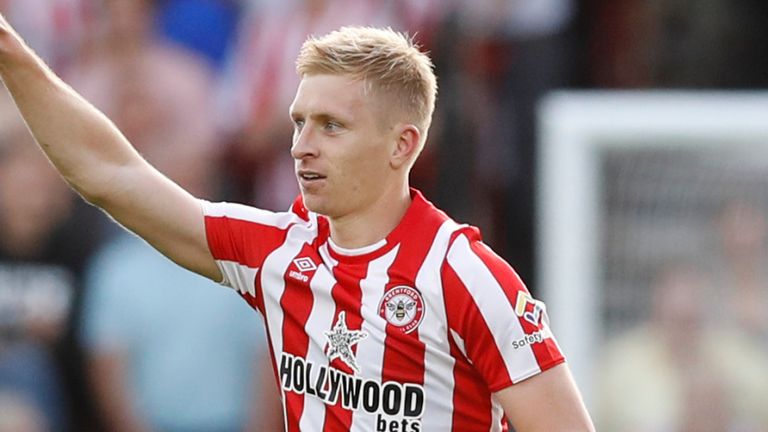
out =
column 302, row 146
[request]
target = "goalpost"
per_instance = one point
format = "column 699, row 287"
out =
column 628, row 181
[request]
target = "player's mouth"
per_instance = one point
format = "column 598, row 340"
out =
column 310, row 178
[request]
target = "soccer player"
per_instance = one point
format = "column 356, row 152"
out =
column 382, row 313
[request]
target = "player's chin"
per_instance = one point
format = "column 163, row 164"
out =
column 314, row 202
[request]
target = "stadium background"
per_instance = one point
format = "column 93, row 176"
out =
column 202, row 88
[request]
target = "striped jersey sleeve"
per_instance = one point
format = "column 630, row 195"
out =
column 492, row 318
column 241, row 237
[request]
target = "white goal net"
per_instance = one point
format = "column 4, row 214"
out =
column 653, row 241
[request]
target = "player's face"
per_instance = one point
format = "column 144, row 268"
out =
column 341, row 148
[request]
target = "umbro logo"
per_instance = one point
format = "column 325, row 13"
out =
column 304, row 265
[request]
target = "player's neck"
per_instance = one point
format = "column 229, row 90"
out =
column 373, row 223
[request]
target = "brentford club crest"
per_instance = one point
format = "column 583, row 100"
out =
column 402, row 307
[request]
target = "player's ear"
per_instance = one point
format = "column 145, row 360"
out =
column 406, row 146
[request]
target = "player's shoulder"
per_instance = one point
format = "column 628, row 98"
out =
column 470, row 259
column 465, row 245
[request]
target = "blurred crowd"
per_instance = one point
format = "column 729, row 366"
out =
column 99, row 332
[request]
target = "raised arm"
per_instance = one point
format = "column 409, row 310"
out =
column 99, row 162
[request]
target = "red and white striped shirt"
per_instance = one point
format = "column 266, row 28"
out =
column 413, row 333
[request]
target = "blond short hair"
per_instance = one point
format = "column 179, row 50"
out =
column 390, row 63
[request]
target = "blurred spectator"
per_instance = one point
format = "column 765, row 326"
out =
column 39, row 270
column 261, row 82
column 35, row 295
column 55, row 29
column 205, row 26
column 681, row 371
column 743, row 271
column 171, row 351
column 158, row 94
column 168, row 350
column 495, row 59
column 19, row 415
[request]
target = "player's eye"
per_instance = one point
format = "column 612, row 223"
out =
column 332, row 126
column 298, row 124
